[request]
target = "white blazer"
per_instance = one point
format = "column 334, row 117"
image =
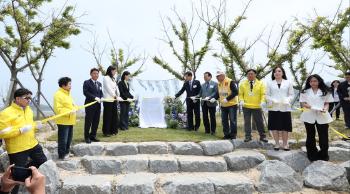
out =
column 110, row 89
column 279, row 98
column 316, row 101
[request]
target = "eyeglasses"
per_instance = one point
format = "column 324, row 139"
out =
column 27, row 98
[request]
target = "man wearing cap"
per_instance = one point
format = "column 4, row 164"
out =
column 209, row 95
column 227, row 91
column 192, row 88
column 252, row 99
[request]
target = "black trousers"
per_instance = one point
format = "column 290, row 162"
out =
column 92, row 119
column 209, row 126
column 110, row 118
column 346, row 109
column 312, row 152
column 124, row 115
column 190, row 109
column 36, row 155
column 337, row 111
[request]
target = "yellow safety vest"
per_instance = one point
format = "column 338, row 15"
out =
column 224, row 91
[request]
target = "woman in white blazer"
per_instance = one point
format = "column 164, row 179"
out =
column 110, row 107
column 315, row 99
column 279, row 95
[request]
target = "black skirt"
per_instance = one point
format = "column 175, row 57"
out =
column 280, row 121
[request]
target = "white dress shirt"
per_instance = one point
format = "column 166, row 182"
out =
column 279, row 98
column 110, row 89
column 316, row 101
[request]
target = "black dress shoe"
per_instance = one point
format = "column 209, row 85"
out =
column 88, row 141
column 264, row 140
column 93, row 139
column 247, row 139
column 123, row 129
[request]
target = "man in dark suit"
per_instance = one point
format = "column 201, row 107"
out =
column 344, row 96
column 209, row 95
column 93, row 92
column 192, row 88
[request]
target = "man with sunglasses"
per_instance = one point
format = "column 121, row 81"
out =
column 17, row 128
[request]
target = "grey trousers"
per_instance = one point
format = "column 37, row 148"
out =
column 257, row 118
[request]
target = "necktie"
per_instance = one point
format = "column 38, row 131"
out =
column 190, row 85
column 207, row 85
column 96, row 85
column 251, row 85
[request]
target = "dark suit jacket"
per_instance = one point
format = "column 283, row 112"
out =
column 91, row 92
column 194, row 91
column 124, row 90
column 343, row 91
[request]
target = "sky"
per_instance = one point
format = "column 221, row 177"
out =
column 137, row 25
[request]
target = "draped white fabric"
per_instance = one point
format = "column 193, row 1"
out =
column 152, row 112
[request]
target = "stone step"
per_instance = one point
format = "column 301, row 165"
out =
column 146, row 163
column 208, row 148
column 149, row 183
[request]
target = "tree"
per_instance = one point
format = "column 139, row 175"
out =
column 328, row 34
column 118, row 58
column 188, row 56
column 29, row 37
column 234, row 55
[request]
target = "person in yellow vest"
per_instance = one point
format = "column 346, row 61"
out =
column 17, row 128
column 63, row 103
column 252, row 99
column 227, row 91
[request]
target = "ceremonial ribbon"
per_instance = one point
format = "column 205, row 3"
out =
column 79, row 108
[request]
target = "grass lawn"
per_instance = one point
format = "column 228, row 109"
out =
column 154, row 134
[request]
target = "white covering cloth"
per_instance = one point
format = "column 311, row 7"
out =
column 152, row 112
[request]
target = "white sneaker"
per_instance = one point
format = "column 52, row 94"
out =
column 66, row 157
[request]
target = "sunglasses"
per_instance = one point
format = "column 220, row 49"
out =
column 27, row 98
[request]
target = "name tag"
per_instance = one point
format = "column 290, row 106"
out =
column 250, row 93
column 195, row 86
column 211, row 86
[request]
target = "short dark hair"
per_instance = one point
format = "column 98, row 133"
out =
column 63, row 81
column 249, row 70
column 188, row 73
column 21, row 92
column 283, row 71
column 94, row 69
column 347, row 73
column 109, row 71
column 208, row 73
column 125, row 73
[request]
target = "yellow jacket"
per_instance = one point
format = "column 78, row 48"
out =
column 16, row 117
column 252, row 99
column 63, row 103
column 225, row 91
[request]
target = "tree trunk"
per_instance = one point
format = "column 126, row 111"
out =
column 12, row 87
column 38, row 98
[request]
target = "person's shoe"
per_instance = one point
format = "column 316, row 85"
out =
column 207, row 132
column 122, row 129
column 93, row 139
column 106, row 135
column 88, row 141
column 226, row 137
column 264, row 140
column 233, row 137
column 276, row 148
column 247, row 139
column 66, row 157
